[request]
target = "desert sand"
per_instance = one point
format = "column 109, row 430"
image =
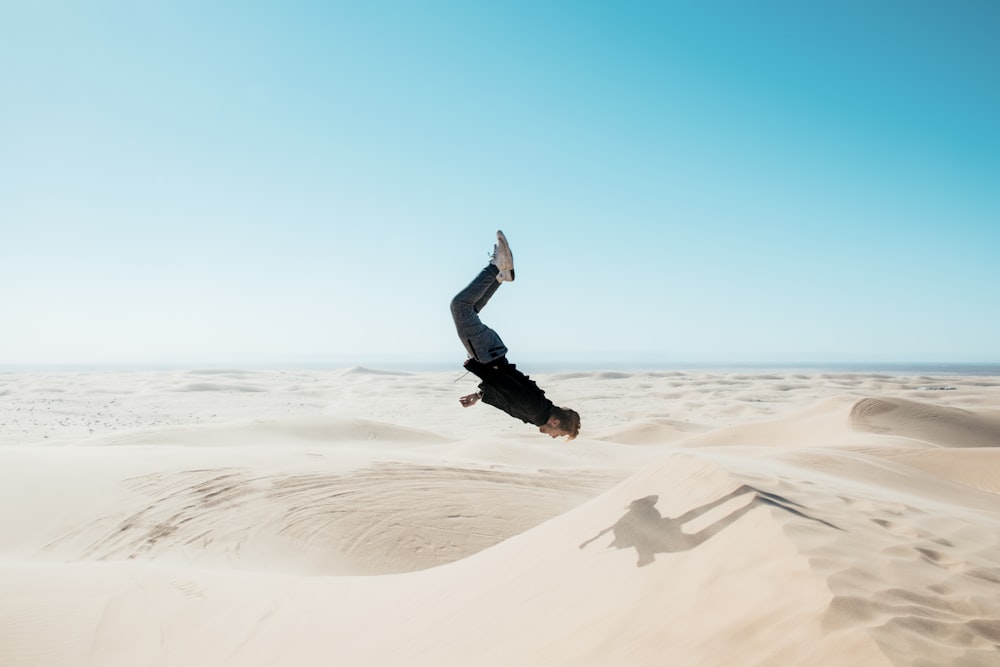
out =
column 362, row 517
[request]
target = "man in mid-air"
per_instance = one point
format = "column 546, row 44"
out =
column 503, row 386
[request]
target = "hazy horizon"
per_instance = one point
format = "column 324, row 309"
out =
column 529, row 366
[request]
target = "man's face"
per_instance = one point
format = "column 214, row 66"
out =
column 552, row 428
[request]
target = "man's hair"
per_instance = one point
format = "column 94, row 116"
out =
column 569, row 421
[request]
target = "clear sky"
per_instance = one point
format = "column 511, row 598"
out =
column 287, row 182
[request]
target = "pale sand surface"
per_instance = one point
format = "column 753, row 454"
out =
column 362, row 517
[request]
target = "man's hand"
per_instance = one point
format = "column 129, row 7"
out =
column 469, row 401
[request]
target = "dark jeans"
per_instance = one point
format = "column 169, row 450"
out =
column 482, row 343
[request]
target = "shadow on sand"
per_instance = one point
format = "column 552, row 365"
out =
column 650, row 533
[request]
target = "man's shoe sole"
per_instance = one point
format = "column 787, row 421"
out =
column 502, row 240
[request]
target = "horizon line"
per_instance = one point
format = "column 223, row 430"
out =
column 957, row 367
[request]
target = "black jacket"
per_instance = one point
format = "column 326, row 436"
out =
column 506, row 388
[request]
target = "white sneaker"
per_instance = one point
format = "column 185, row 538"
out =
column 503, row 259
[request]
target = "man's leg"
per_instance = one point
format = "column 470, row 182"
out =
column 491, row 289
column 481, row 342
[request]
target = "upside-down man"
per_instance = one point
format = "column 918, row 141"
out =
column 503, row 386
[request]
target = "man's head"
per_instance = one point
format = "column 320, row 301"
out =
column 562, row 422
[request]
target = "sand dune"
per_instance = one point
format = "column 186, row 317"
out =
column 940, row 425
column 701, row 519
column 319, row 430
column 652, row 431
column 318, row 519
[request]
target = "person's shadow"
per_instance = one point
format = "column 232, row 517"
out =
column 650, row 533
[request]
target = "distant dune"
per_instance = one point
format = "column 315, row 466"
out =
column 936, row 424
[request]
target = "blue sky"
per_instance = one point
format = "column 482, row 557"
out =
column 292, row 182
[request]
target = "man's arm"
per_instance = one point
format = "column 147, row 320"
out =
column 470, row 400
